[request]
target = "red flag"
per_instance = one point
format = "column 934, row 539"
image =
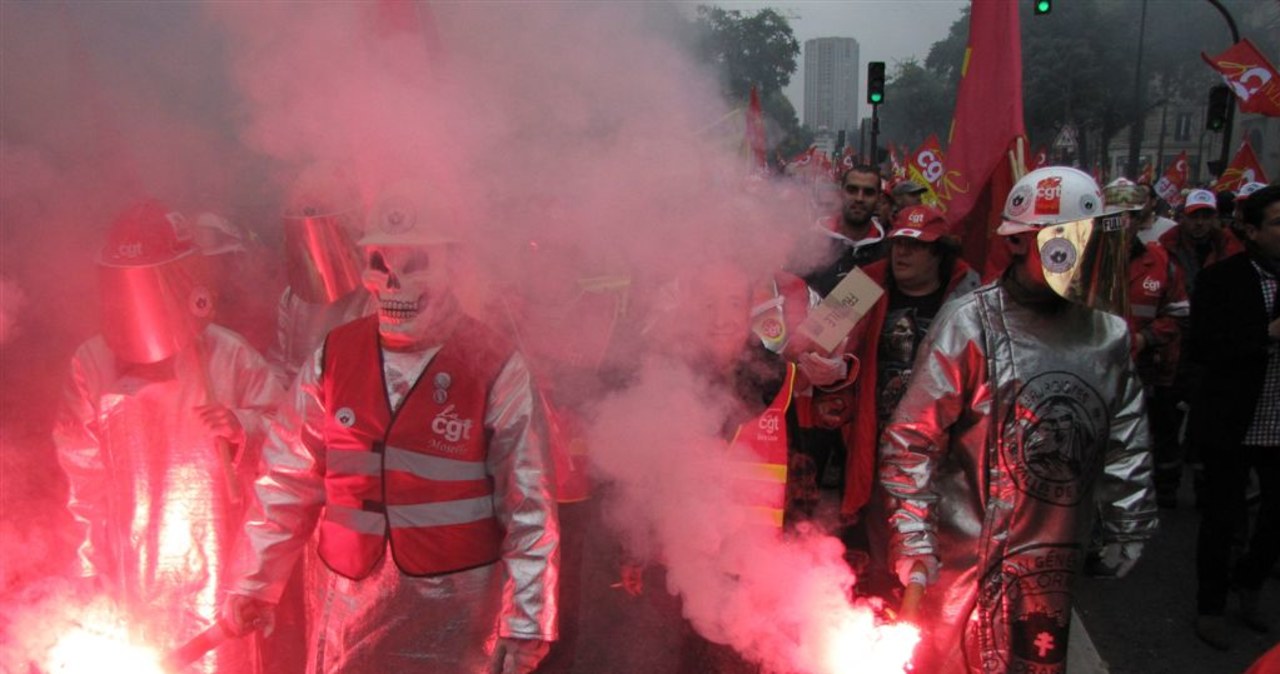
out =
column 987, row 123
column 1148, row 174
column 1041, row 158
column 1253, row 79
column 897, row 172
column 926, row 167
column 1175, row 178
column 1098, row 176
column 755, row 139
column 1244, row 168
column 848, row 159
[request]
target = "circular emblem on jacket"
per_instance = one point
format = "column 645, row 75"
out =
column 1025, row 606
column 346, row 417
column 1059, row 429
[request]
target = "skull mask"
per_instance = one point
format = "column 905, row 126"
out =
column 411, row 284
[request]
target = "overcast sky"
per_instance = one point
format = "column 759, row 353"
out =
column 886, row 30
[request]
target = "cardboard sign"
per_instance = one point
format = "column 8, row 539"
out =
column 833, row 319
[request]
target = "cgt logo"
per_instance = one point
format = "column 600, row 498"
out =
column 916, row 218
column 1151, row 285
column 1049, row 196
column 448, row 424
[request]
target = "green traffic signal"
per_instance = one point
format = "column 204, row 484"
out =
column 1044, row 6
column 876, row 98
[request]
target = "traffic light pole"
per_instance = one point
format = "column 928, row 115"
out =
column 875, row 135
column 1231, row 109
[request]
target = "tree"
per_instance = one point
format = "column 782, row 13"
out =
column 918, row 102
column 754, row 49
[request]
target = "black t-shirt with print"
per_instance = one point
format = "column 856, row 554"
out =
column 906, row 322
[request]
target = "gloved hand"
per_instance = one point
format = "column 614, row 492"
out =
column 822, row 371
column 905, row 565
column 1118, row 559
column 632, row 578
column 518, row 656
column 246, row 614
column 221, row 422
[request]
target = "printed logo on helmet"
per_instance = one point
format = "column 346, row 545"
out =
column 200, row 302
column 1049, row 196
column 1089, row 203
column 1058, row 256
column 397, row 217
column 916, row 218
column 908, row 231
column 771, row 328
column 1020, row 201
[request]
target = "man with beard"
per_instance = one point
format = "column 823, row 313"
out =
column 414, row 438
column 1022, row 413
column 1234, row 361
column 854, row 238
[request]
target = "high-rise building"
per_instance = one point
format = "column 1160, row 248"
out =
column 831, row 84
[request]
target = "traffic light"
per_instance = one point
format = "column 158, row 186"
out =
column 1043, row 6
column 1219, row 105
column 875, row 82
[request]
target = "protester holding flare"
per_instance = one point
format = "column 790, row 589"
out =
column 158, row 433
column 1023, row 410
column 414, row 438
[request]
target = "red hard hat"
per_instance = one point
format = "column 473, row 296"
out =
column 147, row 233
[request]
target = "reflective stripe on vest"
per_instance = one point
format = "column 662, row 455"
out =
column 761, row 484
column 416, row 478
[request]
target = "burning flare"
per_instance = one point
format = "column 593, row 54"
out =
column 99, row 643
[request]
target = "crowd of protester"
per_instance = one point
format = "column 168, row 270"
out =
column 380, row 492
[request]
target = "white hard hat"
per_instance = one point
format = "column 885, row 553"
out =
column 1052, row 195
column 411, row 213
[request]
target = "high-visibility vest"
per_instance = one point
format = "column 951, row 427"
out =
column 760, row 446
column 416, row 477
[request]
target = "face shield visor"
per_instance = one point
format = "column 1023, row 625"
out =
column 151, row 312
column 321, row 258
column 1087, row 261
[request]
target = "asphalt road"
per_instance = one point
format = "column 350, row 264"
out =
column 1143, row 624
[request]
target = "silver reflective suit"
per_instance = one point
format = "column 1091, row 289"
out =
column 1017, row 420
column 390, row 622
column 302, row 325
column 147, row 486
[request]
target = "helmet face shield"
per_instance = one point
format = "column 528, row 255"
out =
column 321, row 258
column 151, row 312
column 1086, row 261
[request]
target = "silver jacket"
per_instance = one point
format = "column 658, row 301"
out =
column 1017, row 420
column 301, row 327
column 390, row 622
column 147, row 487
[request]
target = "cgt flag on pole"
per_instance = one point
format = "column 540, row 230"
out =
column 1170, row 185
column 1251, row 77
column 988, row 122
column 1244, row 168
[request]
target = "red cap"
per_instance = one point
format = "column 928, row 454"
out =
column 146, row 233
column 924, row 223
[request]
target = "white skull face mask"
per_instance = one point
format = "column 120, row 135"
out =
column 412, row 287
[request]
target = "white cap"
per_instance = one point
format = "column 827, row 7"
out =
column 1247, row 189
column 1200, row 199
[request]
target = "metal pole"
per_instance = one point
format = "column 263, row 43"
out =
column 1139, row 127
column 875, row 135
column 1231, row 109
